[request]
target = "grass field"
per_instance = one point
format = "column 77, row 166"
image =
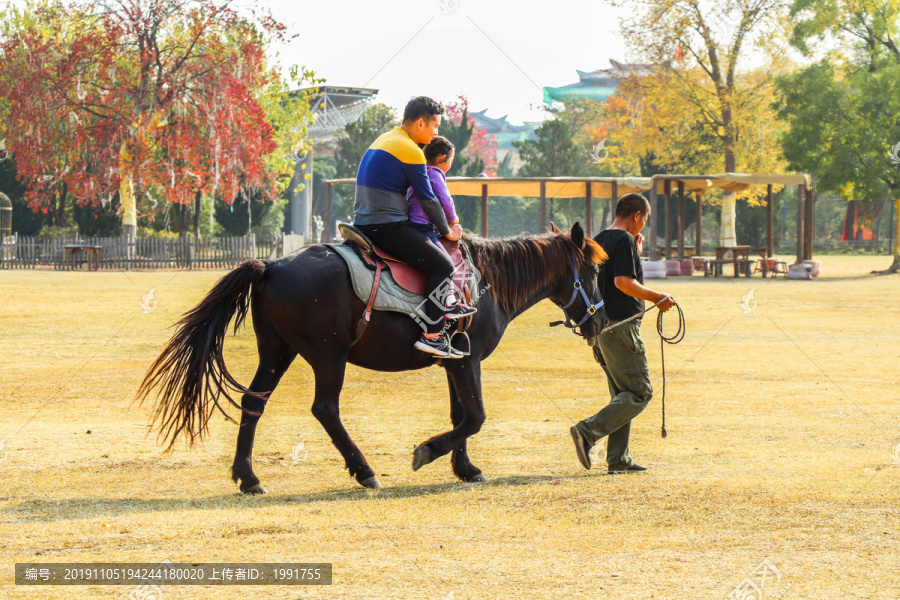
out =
column 782, row 424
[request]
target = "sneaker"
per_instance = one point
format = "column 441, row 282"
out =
column 439, row 346
column 581, row 448
column 459, row 310
column 634, row 468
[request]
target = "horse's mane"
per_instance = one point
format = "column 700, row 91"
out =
column 518, row 267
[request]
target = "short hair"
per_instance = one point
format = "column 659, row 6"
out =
column 421, row 107
column 439, row 145
column 630, row 204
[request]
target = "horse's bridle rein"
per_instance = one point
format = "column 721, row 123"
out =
column 591, row 308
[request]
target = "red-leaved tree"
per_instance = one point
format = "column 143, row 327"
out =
column 158, row 99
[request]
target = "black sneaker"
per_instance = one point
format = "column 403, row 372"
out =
column 439, row 346
column 581, row 448
column 634, row 468
column 459, row 310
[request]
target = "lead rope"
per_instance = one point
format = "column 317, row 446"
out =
column 675, row 338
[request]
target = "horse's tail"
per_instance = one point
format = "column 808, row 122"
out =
column 190, row 373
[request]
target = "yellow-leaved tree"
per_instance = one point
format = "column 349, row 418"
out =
column 704, row 92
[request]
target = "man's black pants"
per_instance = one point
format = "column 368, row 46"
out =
column 414, row 248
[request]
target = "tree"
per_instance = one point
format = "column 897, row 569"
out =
column 562, row 147
column 167, row 99
column 552, row 152
column 359, row 135
column 349, row 149
column 842, row 109
column 476, row 152
column 697, row 51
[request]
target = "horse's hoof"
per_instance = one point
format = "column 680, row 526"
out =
column 372, row 483
column 255, row 489
column 421, row 457
column 478, row 479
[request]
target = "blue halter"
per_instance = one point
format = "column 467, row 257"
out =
column 591, row 308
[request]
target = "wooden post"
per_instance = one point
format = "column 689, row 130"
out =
column 326, row 235
column 770, row 223
column 667, row 190
column 698, row 235
column 801, row 213
column 484, row 210
column 810, row 222
column 680, row 220
column 543, row 208
column 614, row 201
column 654, row 219
column 588, row 211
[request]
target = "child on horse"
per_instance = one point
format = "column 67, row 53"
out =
column 439, row 159
column 391, row 165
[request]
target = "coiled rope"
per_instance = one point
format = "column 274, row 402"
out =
column 675, row 338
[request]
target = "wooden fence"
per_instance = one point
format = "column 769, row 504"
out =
column 24, row 252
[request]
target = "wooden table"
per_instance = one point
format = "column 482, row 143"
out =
column 93, row 254
column 740, row 257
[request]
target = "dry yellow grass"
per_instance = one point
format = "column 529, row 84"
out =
column 781, row 421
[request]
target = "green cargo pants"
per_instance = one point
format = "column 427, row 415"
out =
column 622, row 355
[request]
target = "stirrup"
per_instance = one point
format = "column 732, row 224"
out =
column 468, row 343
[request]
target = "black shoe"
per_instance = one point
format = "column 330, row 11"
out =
column 581, row 448
column 439, row 346
column 459, row 310
column 635, row 468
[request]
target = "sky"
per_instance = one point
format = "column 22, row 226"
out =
column 500, row 54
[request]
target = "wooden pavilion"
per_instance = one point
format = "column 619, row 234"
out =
column 611, row 188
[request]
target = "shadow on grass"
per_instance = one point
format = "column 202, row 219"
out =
column 68, row 509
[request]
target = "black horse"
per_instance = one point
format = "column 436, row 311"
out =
column 304, row 304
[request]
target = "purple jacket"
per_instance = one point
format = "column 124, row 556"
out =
column 439, row 185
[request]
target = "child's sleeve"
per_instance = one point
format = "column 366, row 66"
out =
column 443, row 195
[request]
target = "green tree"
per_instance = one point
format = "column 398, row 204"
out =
column 359, row 135
column 349, row 149
column 842, row 109
column 554, row 153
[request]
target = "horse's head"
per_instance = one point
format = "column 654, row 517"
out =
column 578, row 294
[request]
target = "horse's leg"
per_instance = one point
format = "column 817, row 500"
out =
column 274, row 360
column 466, row 376
column 326, row 408
column 462, row 466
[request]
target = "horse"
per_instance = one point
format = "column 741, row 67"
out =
column 304, row 303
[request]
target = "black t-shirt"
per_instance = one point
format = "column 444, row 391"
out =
column 623, row 261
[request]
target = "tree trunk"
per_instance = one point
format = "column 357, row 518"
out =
column 59, row 211
column 126, row 193
column 727, row 235
column 180, row 219
column 197, row 200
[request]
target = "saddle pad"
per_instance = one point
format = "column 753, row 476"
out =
column 390, row 295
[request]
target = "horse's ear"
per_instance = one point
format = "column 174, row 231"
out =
column 554, row 228
column 578, row 235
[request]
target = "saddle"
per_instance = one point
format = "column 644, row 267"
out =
column 404, row 275
column 408, row 277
